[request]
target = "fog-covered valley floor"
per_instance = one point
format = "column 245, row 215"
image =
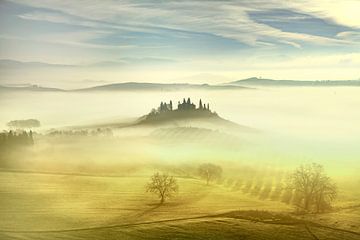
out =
column 86, row 173
column 300, row 123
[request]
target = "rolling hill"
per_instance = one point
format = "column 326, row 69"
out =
column 254, row 81
column 188, row 115
column 244, row 84
column 32, row 88
column 137, row 86
column 129, row 86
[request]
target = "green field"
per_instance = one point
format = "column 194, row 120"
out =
column 65, row 206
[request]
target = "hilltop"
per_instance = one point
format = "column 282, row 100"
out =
column 188, row 114
column 185, row 110
column 166, row 115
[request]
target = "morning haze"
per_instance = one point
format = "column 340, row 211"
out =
column 179, row 120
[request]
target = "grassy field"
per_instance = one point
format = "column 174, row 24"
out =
column 58, row 206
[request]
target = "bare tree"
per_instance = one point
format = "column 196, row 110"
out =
column 209, row 172
column 163, row 185
column 315, row 189
column 325, row 194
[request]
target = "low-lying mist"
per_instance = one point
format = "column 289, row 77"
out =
column 297, row 125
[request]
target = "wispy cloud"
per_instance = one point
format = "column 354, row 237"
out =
column 228, row 19
column 182, row 36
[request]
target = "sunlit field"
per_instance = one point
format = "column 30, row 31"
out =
column 42, row 206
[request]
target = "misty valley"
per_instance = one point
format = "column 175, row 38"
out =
column 179, row 120
column 170, row 164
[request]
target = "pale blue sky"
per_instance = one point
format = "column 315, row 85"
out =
column 175, row 41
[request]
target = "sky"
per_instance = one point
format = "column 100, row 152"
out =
column 72, row 44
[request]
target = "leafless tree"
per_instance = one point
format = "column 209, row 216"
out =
column 315, row 189
column 325, row 194
column 162, row 185
column 209, row 172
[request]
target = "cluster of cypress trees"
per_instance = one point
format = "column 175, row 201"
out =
column 12, row 139
column 166, row 107
column 184, row 105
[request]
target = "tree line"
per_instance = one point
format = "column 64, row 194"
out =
column 308, row 187
column 16, row 138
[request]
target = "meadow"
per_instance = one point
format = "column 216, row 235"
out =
column 58, row 206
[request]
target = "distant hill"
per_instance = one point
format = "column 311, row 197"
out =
column 131, row 86
column 186, row 121
column 249, row 83
column 295, row 83
column 35, row 88
column 7, row 63
column 188, row 115
column 137, row 86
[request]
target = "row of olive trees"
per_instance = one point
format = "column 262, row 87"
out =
column 310, row 189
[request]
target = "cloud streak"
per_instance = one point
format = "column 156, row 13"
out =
column 228, row 19
column 224, row 36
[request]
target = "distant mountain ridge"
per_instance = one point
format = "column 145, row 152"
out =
column 34, row 88
column 158, row 86
column 131, row 86
column 254, row 81
column 249, row 83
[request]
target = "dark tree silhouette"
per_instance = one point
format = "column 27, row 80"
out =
column 14, row 139
column 209, row 172
column 315, row 190
column 163, row 185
